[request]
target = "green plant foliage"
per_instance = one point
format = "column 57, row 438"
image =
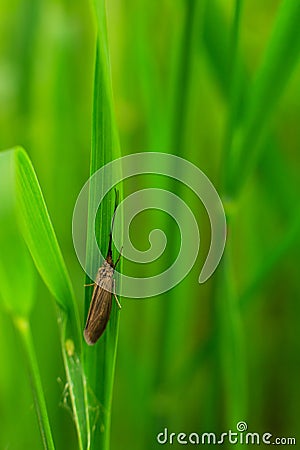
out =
column 215, row 82
column 100, row 361
column 17, row 286
column 24, row 213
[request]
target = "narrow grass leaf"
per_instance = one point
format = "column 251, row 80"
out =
column 25, row 215
column 289, row 241
column 17, row 282
column 23, row 328
column 16, row 269
column 38, row 232
column 100, row 360
column 279, row 62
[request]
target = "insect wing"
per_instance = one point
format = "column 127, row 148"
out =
column 99, row 311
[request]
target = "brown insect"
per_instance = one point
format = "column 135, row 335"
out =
column 104, row 288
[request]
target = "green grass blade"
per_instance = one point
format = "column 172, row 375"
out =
column 289, row 241
column 281, row 57
column 100, row 360
column 216, row 39
column 24, row 208
column 39, row 234
column 174, row 328
column 235, row 91
column 23, row 328
column 183, row 69
column 16, row 268
column 17, row 283
column 234, row 84
column 231, row 343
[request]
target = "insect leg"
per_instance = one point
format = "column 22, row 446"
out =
column 117, row 300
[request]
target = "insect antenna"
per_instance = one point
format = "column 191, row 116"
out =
column 109, row 252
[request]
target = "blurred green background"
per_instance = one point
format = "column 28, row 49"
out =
column 216, row 82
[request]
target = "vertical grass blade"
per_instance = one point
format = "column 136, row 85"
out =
column 280, row 59
column 37, row 389
column 100, row 360
column 17, row 287
column 231, row 345
column 230, row 337
column 235, row 90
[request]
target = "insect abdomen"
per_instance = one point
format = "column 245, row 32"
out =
column 99, row 311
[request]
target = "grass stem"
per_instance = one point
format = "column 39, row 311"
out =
column 23, row 328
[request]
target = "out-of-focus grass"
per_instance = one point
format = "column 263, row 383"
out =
column 232, row 344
